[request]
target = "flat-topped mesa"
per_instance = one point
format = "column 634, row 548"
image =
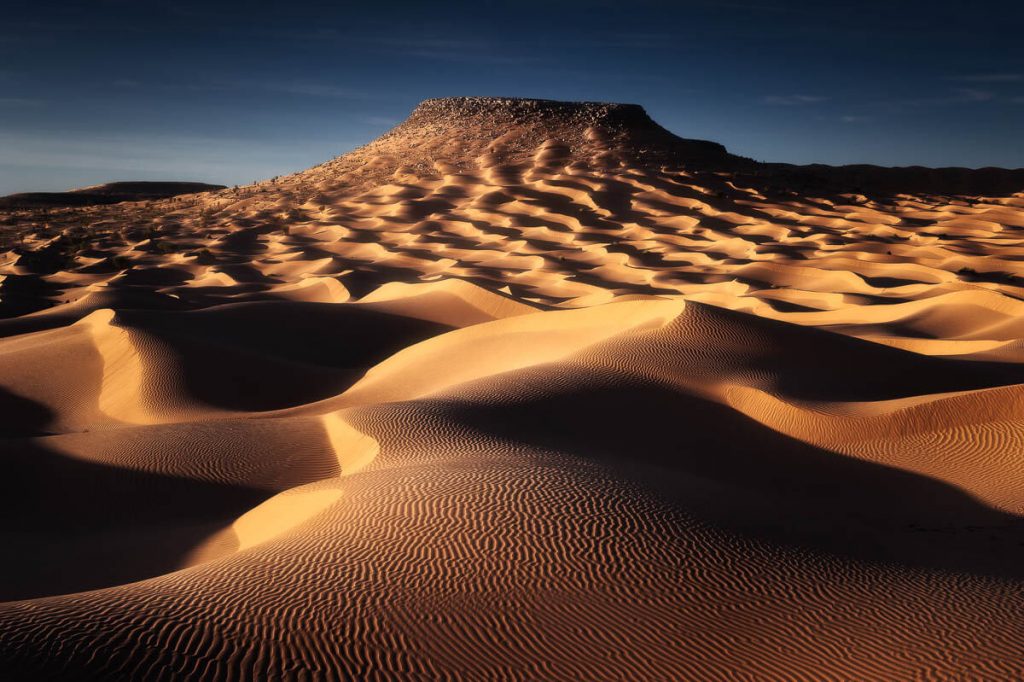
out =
column 520, row 123
column 459, row 134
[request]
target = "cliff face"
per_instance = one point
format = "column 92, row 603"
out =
column 457, row 134
column 571, row 122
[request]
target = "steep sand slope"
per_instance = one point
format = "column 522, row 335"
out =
column 537, row 393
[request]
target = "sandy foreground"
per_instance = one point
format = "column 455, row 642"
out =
column 517, row 391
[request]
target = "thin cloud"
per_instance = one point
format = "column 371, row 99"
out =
column 20, row 102
column 792, row 100
column 958, row 96
column 302, row 88
column 125, row 156
column 380, row 120
column 629, row 40
column 754, row 6
column 472, row 58
column 421, row 43
column 989, row 78
column 972, row 95
column 315, row 90
column 456, row 50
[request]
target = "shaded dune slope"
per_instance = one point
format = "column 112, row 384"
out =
column 556, row 399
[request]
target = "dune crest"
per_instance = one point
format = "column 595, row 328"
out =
column 122, row 390
column 501, row 346
column 353, row 448
column 453, row 302
column 281, row 514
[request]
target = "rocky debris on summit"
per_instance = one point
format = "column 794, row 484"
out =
column 570, row 122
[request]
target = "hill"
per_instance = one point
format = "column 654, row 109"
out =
column 110, row 193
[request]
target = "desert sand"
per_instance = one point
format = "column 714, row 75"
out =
column 524, row 390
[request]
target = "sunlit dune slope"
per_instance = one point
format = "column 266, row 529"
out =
column 521, row 390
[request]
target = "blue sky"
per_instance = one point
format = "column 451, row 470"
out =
column 234, row 92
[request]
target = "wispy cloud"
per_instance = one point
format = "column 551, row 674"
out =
column 631, row 40
column 972, row 95
column 20, row 102
column 380, row 120
column 792, row 100
column 473, row 57
column 755, row 6
column 428, row 43
column 300, row 88
column 854, row 118
column 310, row 89
column 958, row 96
column 989, row 78
column 106, row 157
column 456, row 50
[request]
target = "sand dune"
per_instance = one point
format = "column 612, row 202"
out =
column 521, row 390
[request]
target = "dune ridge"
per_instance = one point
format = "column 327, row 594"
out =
column 521, row 390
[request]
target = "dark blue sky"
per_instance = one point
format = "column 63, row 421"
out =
column 234, row 92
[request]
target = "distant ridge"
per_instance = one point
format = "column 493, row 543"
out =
column 110, row 193
column 866, row 178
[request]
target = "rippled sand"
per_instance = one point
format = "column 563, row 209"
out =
column 524, row 398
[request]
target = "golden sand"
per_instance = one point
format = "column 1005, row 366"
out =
column 530, row 393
